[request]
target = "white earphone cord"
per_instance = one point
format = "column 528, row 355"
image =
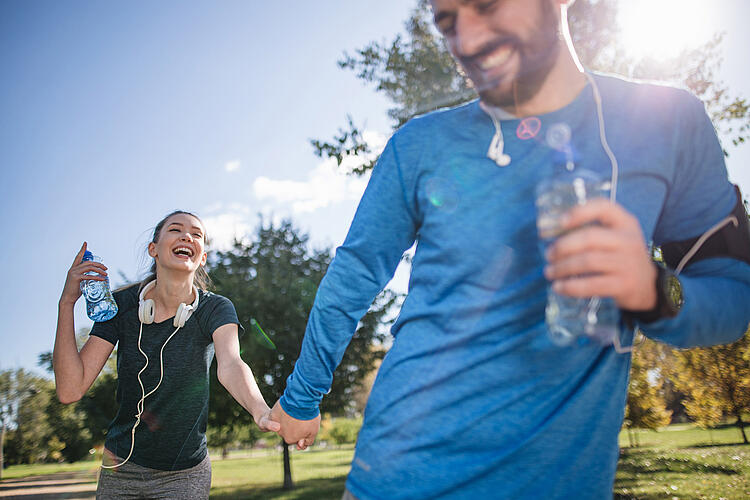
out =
column 603, row 137
column 613, row 197
column 141, row 403
column 619, row 348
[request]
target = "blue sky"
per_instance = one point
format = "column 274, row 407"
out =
column 115, row 113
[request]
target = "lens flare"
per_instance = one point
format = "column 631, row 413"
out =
column 558, row 136
column 442, row 194
column 261, row 334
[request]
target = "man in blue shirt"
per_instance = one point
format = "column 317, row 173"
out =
column 474, row 400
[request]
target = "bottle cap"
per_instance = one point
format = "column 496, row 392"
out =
column 88, row 255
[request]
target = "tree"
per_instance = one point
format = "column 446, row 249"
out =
column 272, row 282
column 33, row 425
column 16, row 386
column 417, row 74
column 716, row 381
column 97, row 408
column 646, row 406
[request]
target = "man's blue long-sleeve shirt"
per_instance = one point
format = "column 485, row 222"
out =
column 473, row 400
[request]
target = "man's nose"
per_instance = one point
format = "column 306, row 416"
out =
column 471, row 34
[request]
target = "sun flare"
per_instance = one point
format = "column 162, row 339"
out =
column 663, row 28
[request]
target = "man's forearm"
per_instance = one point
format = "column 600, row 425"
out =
column 716, row 308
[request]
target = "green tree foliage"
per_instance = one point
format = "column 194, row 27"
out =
column 272, row 282
column 416, row 73
column 646, row 405
column 96, row 409
column 716, row 381
column 340, row 430
column 16, row 388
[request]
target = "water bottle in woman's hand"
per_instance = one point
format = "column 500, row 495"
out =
column 100, row 304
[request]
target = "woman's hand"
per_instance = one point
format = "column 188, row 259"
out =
column 77, row 273
column 265, row 423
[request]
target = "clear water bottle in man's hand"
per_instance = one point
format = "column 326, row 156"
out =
column 571, row 318
column 100, row 304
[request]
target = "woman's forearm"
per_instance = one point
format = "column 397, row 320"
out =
column 66, row 361
column 238, row 379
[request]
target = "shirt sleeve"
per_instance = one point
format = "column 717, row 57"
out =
column 716, row 291
column 383, row 228
column 109, row 330
column 219, row 311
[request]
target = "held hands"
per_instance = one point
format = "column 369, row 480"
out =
column 610, row 259
column 77, row 273
column 299, row 432
column 265, row 423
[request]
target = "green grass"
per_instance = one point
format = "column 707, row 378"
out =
column 721, row 471
column 682, row 435
column 317, row 474
column 18, row 471
column 681, row 461
column 684, row 462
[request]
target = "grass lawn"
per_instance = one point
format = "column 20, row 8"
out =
column 681, row 462
column 18, row 471
column 317, row 474
column 684, row 462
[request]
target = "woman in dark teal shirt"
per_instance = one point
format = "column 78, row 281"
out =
column 167, row 329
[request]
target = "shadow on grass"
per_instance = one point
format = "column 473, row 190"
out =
column 310, row 489
column 709, row 445
column 640, row 462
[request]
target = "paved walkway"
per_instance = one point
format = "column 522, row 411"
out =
column 63, row 485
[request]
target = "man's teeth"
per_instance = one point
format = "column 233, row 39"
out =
column 496, row 58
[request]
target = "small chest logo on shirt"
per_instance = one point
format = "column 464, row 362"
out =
column 528, row 128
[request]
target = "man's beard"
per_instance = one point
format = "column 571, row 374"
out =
column 537, row 58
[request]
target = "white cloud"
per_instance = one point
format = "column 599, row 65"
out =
column 325, row 185
column 232, row 166
column 223, row 228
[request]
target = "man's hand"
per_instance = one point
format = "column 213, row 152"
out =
column 301, row 432
column 608, row 259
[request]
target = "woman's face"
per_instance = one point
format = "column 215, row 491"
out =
column 181, row 244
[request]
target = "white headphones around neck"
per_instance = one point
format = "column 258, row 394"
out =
column 147, row 307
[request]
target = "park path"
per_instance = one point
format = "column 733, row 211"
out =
column 63, row 485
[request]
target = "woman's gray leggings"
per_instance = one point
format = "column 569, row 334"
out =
column 133, row 481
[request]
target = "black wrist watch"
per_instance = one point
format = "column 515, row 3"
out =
column 669, row 298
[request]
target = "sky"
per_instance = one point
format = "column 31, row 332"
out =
column 116, row 113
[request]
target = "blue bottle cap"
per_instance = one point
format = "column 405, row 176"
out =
column 88, row 255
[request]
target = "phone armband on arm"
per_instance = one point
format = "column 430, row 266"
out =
column 730, row 238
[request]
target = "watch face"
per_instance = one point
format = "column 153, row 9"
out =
column 673, row 289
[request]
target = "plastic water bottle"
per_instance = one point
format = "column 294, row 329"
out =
column 100, row 304
column 570, row 318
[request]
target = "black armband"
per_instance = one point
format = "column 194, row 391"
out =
column 732, row 240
